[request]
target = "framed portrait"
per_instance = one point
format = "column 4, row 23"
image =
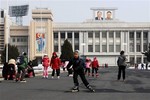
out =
column 108, row 15
column 99, row 15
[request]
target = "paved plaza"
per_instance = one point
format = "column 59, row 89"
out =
column 136, row 87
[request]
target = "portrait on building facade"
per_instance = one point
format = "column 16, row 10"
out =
column 108, row 15
column 98, row 15
column 40, row 43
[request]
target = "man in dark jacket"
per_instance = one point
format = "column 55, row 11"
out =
column 122, row 65
column 78, row 67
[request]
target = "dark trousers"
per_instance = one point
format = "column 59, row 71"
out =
column 11, row 71
column 57, row 72
column 94, row 70
column 82, row 76
column 121, row 70
column 87, row 70
column 21, row 73
column 70, row 71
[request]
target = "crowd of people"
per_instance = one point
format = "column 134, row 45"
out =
column 75, row 67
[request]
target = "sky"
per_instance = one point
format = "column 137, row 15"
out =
column 79, row 10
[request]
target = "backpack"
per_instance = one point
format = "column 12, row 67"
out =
column 20, row 61
column 121, row 61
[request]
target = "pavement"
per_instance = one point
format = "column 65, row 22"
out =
column 136, row 87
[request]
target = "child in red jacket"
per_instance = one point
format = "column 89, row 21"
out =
column 45, row 63
column 55, row 64
column 95, row 66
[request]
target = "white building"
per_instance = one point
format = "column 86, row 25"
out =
column 101, row 37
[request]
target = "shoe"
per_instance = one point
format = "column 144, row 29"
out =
column 70, row 75
column 43, row 77
column 90, row 88
column 75, row 89
column 58, row 77
column 52, row 77
column 24, row 81
column 46, row 77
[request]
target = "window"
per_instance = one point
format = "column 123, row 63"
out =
column 111, row 34
column 138, row 48
column 118, row 49
column 145, row 47
column 76, row 35
column 90, row 35
column 131, row 47
column 97, row 34
column 145, row 35
column 56, row 48
column 111, row 48
column 62, row 35
column 131, row 34
column 117, row 34
column 97, row 48
column 90, row 48
column 76, row 47
column 104, row 34
column 69, row 35
column 55, row 35
column 132, row 60
column 13, row 40
column 104, row 48
column 18, row 39
column 138, row 60
column 138, row 34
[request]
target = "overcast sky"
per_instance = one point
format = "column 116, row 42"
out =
column 79, row 10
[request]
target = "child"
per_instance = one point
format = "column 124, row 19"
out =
column 45, row 62
column 88, row 63
column 11, row 69
column 78, row 67
column 95, row 66
column 55, row 64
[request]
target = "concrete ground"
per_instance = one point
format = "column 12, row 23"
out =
column 136, row 87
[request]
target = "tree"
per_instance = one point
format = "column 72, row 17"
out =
column 13, row 53
column 67, row 51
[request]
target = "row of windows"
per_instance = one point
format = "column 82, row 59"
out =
column 138, row 47
column 138, row 34
column 19, row 39
column 104, row 34
column 76, row 47
column 104, row 48
column 138, row 60
column 69, row 35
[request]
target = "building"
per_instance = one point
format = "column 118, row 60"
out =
column 103, row 36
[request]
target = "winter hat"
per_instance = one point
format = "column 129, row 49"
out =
column 54, row 53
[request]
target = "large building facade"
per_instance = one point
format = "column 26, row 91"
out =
column 102, row 37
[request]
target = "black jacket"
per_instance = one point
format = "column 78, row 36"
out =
column 77, row 64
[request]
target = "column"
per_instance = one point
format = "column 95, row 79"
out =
column 121, row 33
column 66, row 35
column 149, row 37
column 73, row 41
column 135, row 41
column 142, row 41
column 93, row 41
column 114, row 41
column 107, row 41
column 86, row 46
column 59, row 43
column 100, row 41
column 128, row 42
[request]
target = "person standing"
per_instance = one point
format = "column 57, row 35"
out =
column 22, row 65
column 45, row 63
column 30, row 69
column 88, row 63
column 55, row 64
column 95, row 66
column 78, row 66
column 122, row 65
